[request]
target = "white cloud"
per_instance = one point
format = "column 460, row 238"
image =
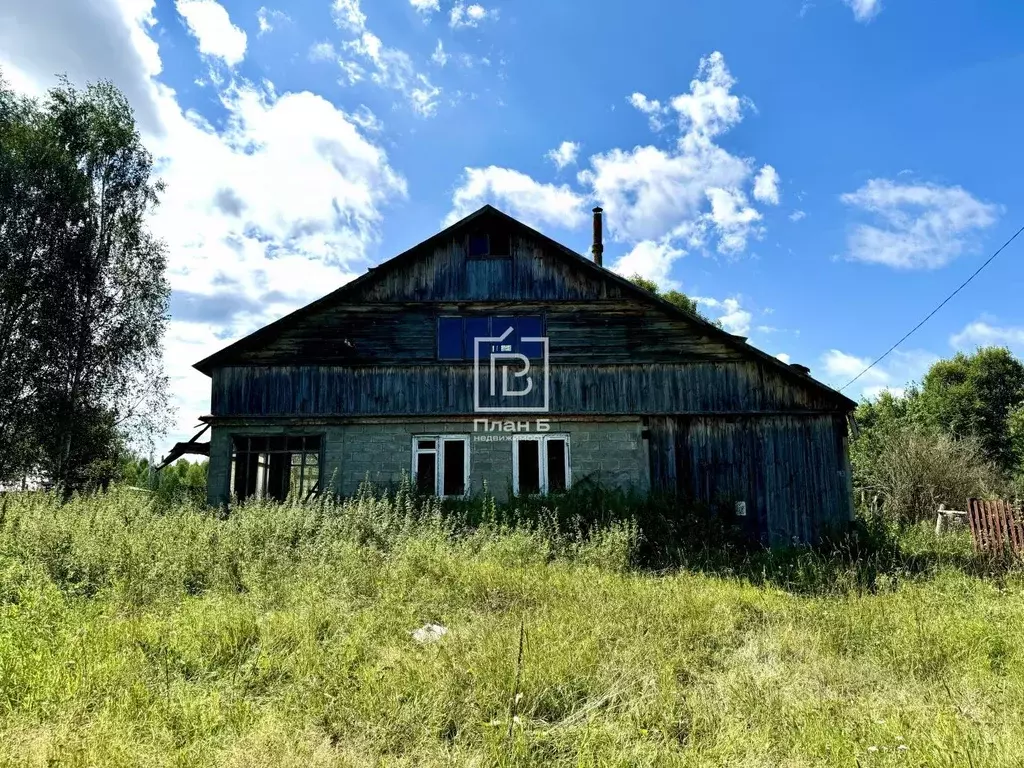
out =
column 323, row 51
column 89, row 41
column 731, row 315
column 920, row 226
column 517, row 194
column 893, row 374
column 565, row 154
column 660, row 202
column 462, row 16
column 983, row 333
column 692, row 194
column 426, row 7
column 650, row 107
column 349, row 16
column 651, row 260
column 262, row 213
column 260, row 218
column 268, row 18
column 783, row 357
column 732, row 217
column 365, row 119
column 842, row 365
column 709, row 108
column 652, row 191
column 864, row 10
column 797, row 215
column 766, row 185
column 210, row 24
column 440, row 57
column 391, row 68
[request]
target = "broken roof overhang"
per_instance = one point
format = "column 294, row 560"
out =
column 190, row 447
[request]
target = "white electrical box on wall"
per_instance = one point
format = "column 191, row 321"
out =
column 741, row 509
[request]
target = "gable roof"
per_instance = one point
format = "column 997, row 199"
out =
column 739, row 343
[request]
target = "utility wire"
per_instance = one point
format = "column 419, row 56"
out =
column 929, row 315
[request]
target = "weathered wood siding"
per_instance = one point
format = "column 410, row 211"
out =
column 446, row 274
column 697, row 387
column 790, row 470
column 610, row 331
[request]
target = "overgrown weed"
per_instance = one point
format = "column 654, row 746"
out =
column 281, row 634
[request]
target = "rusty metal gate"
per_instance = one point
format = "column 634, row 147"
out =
column 996, row 527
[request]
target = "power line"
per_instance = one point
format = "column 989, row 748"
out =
column 929, row 315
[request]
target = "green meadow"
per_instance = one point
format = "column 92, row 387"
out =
column 135, row 634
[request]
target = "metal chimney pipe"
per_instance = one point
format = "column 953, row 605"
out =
column 598, row 247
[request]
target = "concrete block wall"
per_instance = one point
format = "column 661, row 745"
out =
column 218, row 482
column 611, row 452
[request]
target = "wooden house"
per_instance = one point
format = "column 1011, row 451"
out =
column 490, row 354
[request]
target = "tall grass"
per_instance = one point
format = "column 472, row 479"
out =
column 281, row 635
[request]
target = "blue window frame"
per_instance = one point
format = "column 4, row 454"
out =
column 456, row 335
column 449, row 338
column 475, row 328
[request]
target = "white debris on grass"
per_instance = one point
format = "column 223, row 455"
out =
column 429, row 633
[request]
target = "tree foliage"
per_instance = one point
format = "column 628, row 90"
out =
column 960, row 433
column 975, row 396
column 83, row 296
column 181, row 482
column 678, row 298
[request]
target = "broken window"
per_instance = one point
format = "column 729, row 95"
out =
column 275, row 466
column 540, row 463
column 440, row 464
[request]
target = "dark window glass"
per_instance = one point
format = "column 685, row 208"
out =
column 456, row 335
column 500, row 245
column 277, row 476
column 426, row 472
column 478, row 245
column 477, row 327
column 556, row 464
column 275, row 467
column 529, row 466
column 454, row 468
column 449, row 338
column 427, row 445
column 530, row 327
column 245, row 467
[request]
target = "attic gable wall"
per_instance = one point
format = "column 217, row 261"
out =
column 388, row 318
column 445, row 273
column 615, row 331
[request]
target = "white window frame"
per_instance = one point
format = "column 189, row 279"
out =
column 438, row 451
column 542, row 458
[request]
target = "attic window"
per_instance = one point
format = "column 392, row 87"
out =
column 482, row 245
column 457, row 336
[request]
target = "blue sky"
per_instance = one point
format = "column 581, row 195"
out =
column 820, row 174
